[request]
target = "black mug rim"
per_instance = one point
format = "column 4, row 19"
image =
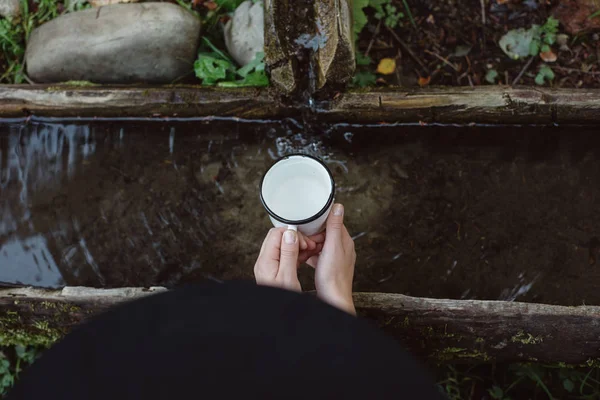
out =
column 309, row 219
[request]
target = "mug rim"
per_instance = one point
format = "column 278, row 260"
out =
column 311, row 218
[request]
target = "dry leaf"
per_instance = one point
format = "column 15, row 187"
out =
column 548, row 56
column 424, row 81
column 211, row 5
column 430, row 19
column 386, row 66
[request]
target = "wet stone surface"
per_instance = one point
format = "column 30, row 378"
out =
column 486, row 213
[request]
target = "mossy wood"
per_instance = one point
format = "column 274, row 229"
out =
column 434, row 329
column 490, row 105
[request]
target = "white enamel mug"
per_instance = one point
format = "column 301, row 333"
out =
column 298, row 192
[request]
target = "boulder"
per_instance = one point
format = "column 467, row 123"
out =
column 120, row 43
column 244, row 32
column 10, row 8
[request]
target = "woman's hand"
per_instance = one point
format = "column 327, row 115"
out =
column 282, row 252
column 335, row 264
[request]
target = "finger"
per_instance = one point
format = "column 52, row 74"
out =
column 335, row 223
column 313, row 261
column 318, row 238
column 288, row 259
column 306, row 254
column 270, row 246
column 303, row 244
column 310, row 243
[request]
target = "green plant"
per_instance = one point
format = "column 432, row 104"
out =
column 491, row 76
column 13, row 49
column 385, row 11
column 12, row 366
column 15, row 33
column 544, row 74
column 545, row 37
column 215, row 68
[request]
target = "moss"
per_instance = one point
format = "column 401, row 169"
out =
column 13, row 333
column 428, row 332
column 36, row 331
column 526, row 338
column 455, row 353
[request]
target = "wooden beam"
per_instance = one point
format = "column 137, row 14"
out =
column 19, row 101
column 450, row 105
column 434, row 329
column 464, row 105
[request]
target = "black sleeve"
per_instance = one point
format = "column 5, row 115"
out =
column 234, row 340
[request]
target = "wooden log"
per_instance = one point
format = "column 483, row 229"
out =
column 486, row 104
column 433, row 329
column 18, row 101
column 464, row 105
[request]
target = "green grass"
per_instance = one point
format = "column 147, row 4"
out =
column 14, row 33
column 516, row 381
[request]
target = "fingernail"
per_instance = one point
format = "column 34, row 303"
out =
column 338, row 210
column 290, row 237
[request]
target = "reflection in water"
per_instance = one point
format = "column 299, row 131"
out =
column 28, row 261
column 34, row 159
column 458, row 213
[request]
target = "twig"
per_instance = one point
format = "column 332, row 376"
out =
column 483, row 12
column 444, row 60
column 575, row 70
column 523, row 70
column 408, row 50
column 373, row 39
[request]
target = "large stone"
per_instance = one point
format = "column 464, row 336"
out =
column 121, row 43
column 244, row 32
column 10, row 8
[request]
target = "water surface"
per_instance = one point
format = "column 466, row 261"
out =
column 478, row 212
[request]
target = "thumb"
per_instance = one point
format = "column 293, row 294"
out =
column 288, row 260
column 335, row 222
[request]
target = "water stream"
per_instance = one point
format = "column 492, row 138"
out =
column 471, row 212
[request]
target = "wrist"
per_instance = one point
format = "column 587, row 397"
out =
column 342, row 302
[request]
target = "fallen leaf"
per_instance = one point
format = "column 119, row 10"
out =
column 211, row 5
column 461, row 51
column 516, row 43
column 574, row 15
column 386, row 66
column 548, row 56
column 430, row 19
column 502, row 1
column 424, row 81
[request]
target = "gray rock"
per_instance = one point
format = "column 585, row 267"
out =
column 244, row 32
column 10, row 8
column 121, row 43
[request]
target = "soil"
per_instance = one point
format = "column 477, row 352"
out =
column 478, row 212
column 443, row 27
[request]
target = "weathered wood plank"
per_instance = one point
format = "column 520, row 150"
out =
column 458, row 105
column 131, row 101
column 434, row 329
column 463, row 105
